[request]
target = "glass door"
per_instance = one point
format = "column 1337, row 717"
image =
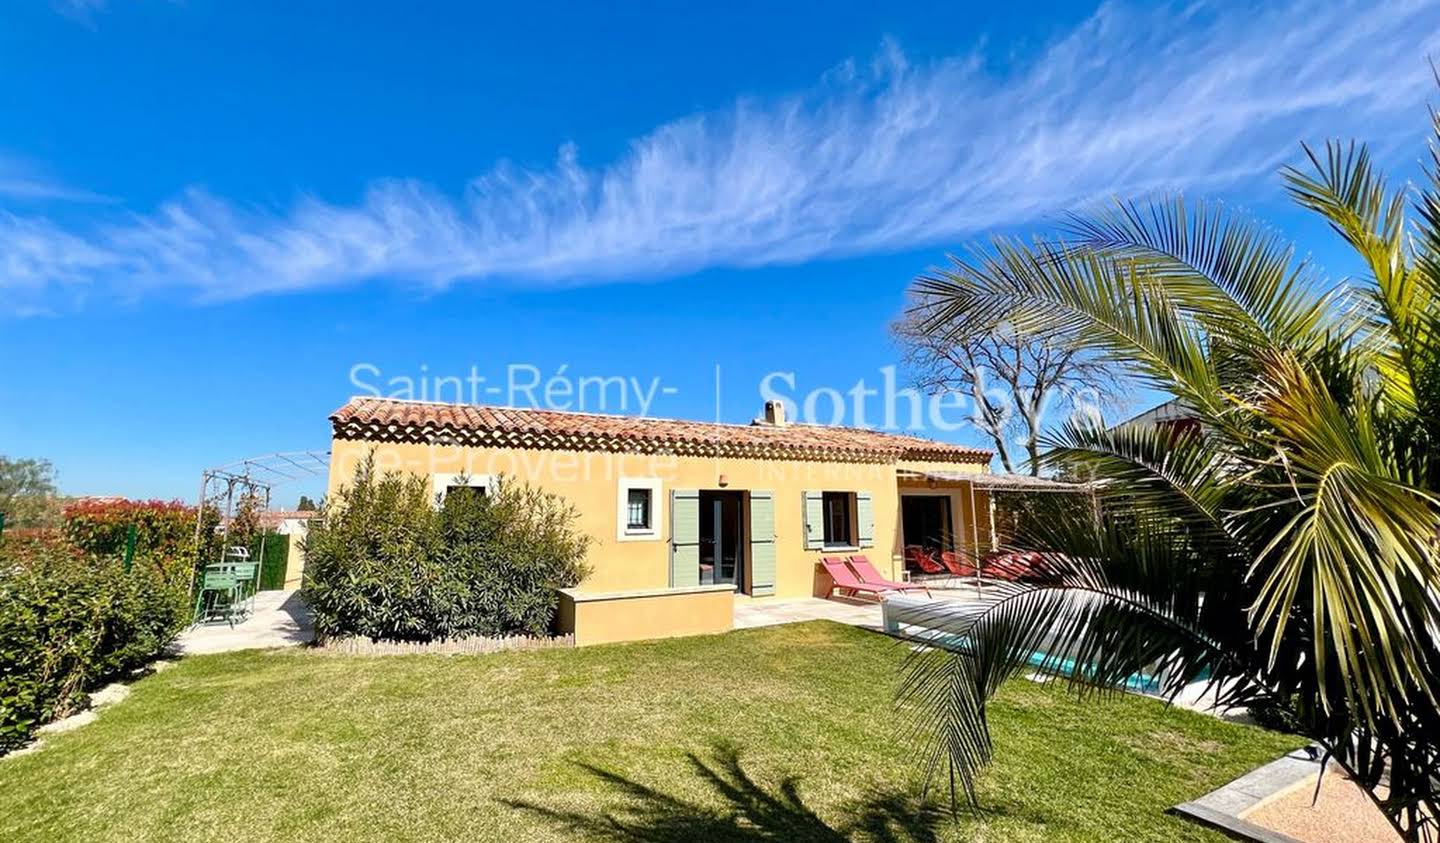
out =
column 722, row 533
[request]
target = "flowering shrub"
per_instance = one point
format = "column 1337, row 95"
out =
column 165, row 531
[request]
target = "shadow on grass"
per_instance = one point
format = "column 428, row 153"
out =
column 747, row 811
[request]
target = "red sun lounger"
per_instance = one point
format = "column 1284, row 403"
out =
column 872, row 577
column 844, row 579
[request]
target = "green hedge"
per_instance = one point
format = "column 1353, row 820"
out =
column 101, row 528
column 70, row 621
column 272, row 562
column 384, row 563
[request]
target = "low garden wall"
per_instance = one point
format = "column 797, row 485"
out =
column 606, row 617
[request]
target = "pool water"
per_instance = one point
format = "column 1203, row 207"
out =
column 1143, row 683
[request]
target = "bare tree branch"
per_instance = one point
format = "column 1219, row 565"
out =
column 1014, row 382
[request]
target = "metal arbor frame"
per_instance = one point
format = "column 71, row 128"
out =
column 224, row 487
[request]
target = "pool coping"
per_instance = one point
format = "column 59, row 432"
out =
column 1222, row 808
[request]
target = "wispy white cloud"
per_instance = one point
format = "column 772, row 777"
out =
column 880, row 155
column 80, row 11
column 24, row 181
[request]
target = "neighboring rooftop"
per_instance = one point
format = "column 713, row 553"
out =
column 273, row 518
column 1000, row 482
column 276, row 517
column 392, row 420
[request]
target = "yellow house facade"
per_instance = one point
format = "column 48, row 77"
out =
column 686, row 516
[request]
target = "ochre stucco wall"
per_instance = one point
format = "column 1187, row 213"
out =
column 590, row 480
column 295, row 560
column 638, row 616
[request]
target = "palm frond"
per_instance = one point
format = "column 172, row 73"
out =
column 1422, row 331
column 1242, row 281
column 1361, row 541
column 1110, row 609
column 1156, row 472
column 1352, row 196
column 1046, row 291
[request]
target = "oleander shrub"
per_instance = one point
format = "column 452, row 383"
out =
column 70, row 620
column 511, row 548
column 383, row 562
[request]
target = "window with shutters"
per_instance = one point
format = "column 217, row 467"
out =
column 839, row 516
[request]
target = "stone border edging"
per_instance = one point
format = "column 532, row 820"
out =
column 1233, row 826
column 1222, row 808
column 470, row 646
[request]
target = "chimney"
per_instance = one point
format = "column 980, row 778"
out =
column 775, row 413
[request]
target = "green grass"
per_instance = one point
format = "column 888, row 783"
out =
column 783, row 733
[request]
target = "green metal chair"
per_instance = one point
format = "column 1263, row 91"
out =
column 247, row 582
column 219, row 590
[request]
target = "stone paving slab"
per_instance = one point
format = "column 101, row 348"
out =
column 1224, row 808
column 279, row 619
column 855, row 611
column 750, row 613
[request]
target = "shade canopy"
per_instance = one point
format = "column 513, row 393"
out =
column 998, row 482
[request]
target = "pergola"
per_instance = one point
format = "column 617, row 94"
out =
column 991, row 483
column 224, row 487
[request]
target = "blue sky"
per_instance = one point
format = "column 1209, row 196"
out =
column 210, row 213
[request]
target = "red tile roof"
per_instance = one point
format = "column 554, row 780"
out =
column 392, row 420
column 274, row 517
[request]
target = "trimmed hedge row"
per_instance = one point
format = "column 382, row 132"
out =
column 272, row 561
column 101, row 528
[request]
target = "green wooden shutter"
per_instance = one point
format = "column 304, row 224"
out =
column 684, row 538
column 762, row 543
column 865, row 519
column 814, row 520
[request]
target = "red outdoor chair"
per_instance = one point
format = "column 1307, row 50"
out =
column 956, row 564
column 918, row 557
column 1015, row 566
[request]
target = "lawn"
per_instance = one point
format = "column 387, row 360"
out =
column 785, row 733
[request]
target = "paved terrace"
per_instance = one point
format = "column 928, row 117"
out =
column 279, row 619
column 855, row 611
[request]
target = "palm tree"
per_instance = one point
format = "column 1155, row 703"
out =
column 1285, row 549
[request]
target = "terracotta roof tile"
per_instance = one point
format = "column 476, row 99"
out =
column 392, row 420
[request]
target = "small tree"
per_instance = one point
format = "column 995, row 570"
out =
column 27, row 493
column 245, row 526
column 1012, row 378
column 1283, row 549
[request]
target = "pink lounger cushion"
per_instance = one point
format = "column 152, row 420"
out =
column 869, row 575
column 845, row 579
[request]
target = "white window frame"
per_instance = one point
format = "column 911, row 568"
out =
column 623, row 531
column 440, row 484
